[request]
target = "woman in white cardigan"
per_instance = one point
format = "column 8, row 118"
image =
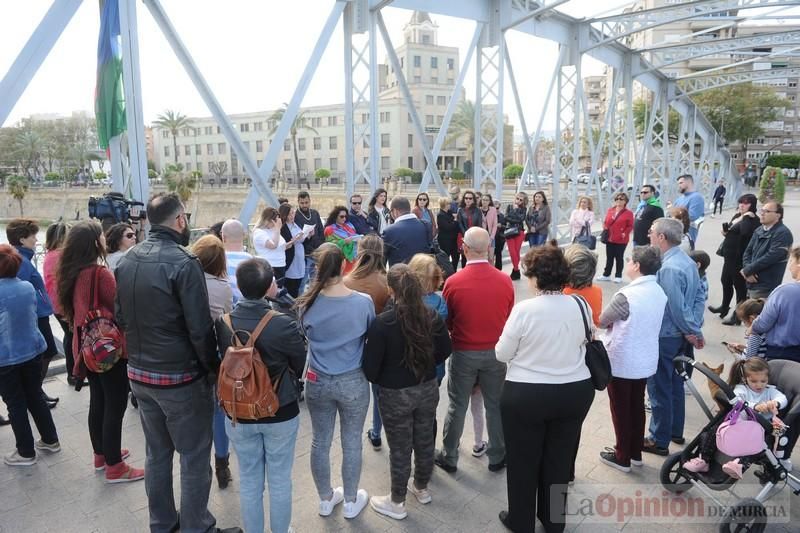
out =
column 633, row 319
column 547, row 392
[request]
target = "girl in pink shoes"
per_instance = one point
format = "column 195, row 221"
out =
column 750, row 381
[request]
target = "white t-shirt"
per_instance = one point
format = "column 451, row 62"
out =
column 276, row 257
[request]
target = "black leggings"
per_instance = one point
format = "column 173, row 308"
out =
column 614, row 252
column 50, row 351
column 67, row 344
column 499, row 244
column 718, row 202
column 453, row 253
column 108, row 398
column 732, row 280
column 292, row 286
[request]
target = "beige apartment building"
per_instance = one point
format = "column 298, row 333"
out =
column 430, row 70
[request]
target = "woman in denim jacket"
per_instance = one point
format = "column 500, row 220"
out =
column 21, row 344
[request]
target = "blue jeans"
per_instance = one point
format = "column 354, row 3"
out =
column 220, row 437
column 536, row 239
column 311, row 271
column 264, row 448
column 348, row 395
column 377, row 423
column 667, row 398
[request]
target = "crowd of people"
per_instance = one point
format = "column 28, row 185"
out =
column 378, row 320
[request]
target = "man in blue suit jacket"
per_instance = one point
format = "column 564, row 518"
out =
column 407, row 236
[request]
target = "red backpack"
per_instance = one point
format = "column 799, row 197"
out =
column 100, row 340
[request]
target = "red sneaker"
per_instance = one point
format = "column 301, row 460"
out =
column 100, row 460
column 123, row 473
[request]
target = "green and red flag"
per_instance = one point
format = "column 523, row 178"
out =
column 109, row 99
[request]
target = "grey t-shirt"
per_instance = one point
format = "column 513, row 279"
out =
column 336, row 328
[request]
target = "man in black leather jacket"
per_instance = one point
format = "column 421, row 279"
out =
column 162, row 305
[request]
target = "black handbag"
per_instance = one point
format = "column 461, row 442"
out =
column 604, row 236
column 596, row 355
column 511, row 232
column 721, row 249
column 586, row 238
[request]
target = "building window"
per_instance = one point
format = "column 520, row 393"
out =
column 208, row 130
column 244, row 127
column 188, row 167
column 272, row 123
column 287, row 164
column 166, row 151
column 417, row 61
column 384, row 140
column 384, row 116
column 402, row 62
column 333, row 143
column 287, row 145
column 417, row 79
column 211, row 166
column 439, row 119
column 258, row 126
column 385, row 163
column 451, row 63
column 187, row 150
column 429, row 120
column 409, row 118
column 219, row 130
column 301, row 144
column 434, row 79
column 317, row 143
column 221, row 148
column 410, row 162
column 429, row 99
column 426, row 39
column 441, row 100
column 333, row 164
column 247, row 145
column 332, row 120
column 210, row 149
column 259, row 146
column 434, row 62
column 364, row 118
column 198, row 149
column 410, row 141
column 316, row 122
column 365, row 141
column 165, row 134
column 429, row 140
column 317, row 163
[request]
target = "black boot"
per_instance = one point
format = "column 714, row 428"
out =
column 515, row 274
column 732, row 321
column 223, row 471
column 721, row 311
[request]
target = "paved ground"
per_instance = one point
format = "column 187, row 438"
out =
column 62, row 492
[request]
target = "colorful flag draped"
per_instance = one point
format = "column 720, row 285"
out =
column 109, row 101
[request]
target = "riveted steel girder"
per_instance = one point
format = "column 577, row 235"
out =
column 667, row 55
column 698, row 84
column 615, row 27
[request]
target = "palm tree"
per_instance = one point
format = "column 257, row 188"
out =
column 462, row 124
column 299, row 124
column 18, row 187
column 172, row 121
column 29, row 147
column 180, row 182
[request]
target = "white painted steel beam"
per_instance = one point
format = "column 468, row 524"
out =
column 34, row 52
column 698, row 84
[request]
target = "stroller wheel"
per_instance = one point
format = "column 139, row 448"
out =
column 672, row 475
column 748, row 515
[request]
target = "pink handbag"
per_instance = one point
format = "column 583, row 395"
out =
column 739, row 437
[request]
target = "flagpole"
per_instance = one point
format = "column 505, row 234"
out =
column 117, row 167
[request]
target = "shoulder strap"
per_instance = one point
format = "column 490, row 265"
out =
column 93, row 292
column 578, row 300
column 260, row 327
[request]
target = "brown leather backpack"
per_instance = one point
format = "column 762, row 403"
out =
column 244, row 387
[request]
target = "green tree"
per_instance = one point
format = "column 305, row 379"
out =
column 403, row 172
column 743, row 110
column 180, row 182
column 29, row 145
column 772, row 186
column 512, row 171
column 172, row 121
column 18, row 188
column 462, row 125
column 641, row 117
column 300, row 124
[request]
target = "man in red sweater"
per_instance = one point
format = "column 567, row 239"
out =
column 479, row 299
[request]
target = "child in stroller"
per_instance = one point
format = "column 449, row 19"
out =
column 749, row 379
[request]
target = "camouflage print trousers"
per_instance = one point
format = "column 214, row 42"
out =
column 408, row 419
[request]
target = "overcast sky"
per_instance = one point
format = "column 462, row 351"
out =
column 251, row 52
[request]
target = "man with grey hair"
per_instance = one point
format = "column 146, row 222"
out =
column 680, row 330
column 233, row 240
column 476, row 287
column 408, row 235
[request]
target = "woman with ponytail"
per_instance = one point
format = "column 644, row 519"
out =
column 335, row 319
column 404, row 345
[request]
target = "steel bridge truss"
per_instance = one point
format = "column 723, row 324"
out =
column 616, row 154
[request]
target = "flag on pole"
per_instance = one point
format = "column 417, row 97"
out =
column 109, row 100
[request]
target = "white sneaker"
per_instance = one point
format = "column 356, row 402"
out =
column 603, row 278
column 423, row 495
column 617, row 280
column 634, row 462
column 385, row 506
column 15, row 459
column 326, row 506
column 52, row 448
column 352, row 509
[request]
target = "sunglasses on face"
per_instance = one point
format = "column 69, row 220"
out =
column 355, row 203
column 469, row 198
column 422, row 199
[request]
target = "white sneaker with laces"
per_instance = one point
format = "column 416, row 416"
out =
column 326, row 506
column 602, row 278
column 15, row 459
column 52, row 448
column 385, row 506
column 617, row 280
column 352, row 509
column 479, row 449
column 423, row 495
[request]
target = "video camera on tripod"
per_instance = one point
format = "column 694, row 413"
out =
column 113, row 208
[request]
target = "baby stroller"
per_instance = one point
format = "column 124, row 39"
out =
column 747, row 514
